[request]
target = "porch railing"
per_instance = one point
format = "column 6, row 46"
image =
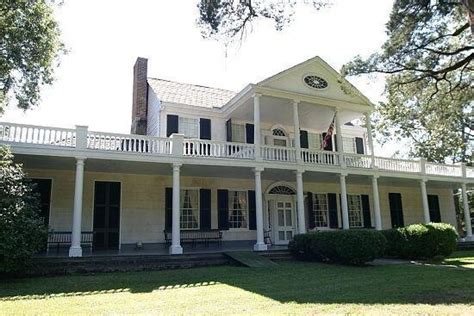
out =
column 41, row 135
column 176, row 145
column 128, row 143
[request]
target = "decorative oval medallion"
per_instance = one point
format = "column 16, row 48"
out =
column 315, row 82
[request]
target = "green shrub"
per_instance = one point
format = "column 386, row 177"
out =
column 420, row 241
column 354, row 247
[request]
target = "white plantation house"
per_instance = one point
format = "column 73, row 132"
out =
column 209, row 164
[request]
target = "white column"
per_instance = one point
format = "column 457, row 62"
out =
column 256, row 122
column 296, row 122
column 300, row 202
column 260, row 245
column 345, row 211
column 370, row 138
column 175, row 248
column 75, row 250
column 340, row 145
column 375, row 193
column 467, row 213
column 424, row 199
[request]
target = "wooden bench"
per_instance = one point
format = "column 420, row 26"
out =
column 63, row 238
column 195, row 236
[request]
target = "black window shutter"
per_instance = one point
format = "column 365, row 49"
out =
column 304, row 139
column 172, row 122
column 223, row 209
column 396, row 209
column 168, row 208
column 249, row 132
column 329, row 143
column 366, row 210
column 228, row 128
column 359, row 145
column 311, row 218
column 252, row 210
column 335, row 143
column 433, row 205
column 205, row 128
column 332, row 207
column 205, row 209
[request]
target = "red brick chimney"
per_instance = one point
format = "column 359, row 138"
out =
column 140, row 97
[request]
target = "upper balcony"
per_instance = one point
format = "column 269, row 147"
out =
column 51, row 141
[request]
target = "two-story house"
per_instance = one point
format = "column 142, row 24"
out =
column 284, row 156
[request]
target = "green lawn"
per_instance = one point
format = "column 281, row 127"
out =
column 463, row 259
column 291, row 287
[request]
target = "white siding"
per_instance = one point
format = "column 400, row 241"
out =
column 153, row 114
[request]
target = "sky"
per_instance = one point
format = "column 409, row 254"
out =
column 93, row 83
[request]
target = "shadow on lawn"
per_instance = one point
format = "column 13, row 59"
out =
column 298, row 282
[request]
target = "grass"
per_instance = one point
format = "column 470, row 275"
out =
column 290, row 288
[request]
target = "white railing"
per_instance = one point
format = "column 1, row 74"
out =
column 278, row 153
column 207, row 148
column 319, row 157
column 399, row 165
column 41, row 135
column 469, row 172
column 443, row 170
column 82, row 139
column 128, row 143
column 358, row 161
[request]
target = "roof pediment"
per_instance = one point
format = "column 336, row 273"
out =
column 338, row 88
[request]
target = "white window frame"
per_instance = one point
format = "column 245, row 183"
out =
column 286, row 137
column 315, row 211
column 195, row 210
column 181, row 124
column 246, row 210
column 239, row 126
column 354, row 209
column 312, row 136
column 349, row 145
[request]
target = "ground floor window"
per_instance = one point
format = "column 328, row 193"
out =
column 354, row 205
column 238, row 210
column 321, row 210
column 189, row 217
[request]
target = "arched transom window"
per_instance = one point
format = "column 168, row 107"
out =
column 278, row 132
column 282, row 189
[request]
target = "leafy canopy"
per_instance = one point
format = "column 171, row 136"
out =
column 427, row 61
column 29, row 50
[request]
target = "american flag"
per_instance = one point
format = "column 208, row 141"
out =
column 328, row 136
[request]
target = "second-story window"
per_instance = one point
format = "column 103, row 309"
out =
column 189, row 127
column 238, row 133
column 314, row 140
column 349, row 145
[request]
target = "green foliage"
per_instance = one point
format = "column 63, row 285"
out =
column 22, row 231
column 225, row 20
column 29, row 50
column 354, row 247
column 427, row 62
column 420, row 241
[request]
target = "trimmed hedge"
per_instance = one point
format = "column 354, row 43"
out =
column 420, row 241
column 354, row 247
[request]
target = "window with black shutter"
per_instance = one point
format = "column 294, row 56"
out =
column 172, row 124
column 396, row 209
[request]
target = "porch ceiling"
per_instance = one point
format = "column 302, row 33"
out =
column 280, row 111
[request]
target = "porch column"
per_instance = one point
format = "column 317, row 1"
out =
column 375, row 193
column 260, row 245
column 424, row 199
column 370, row 139
column 340, row 145
column 175, row 248
column 345, row 211
column 75, row 250
column 296, row 121
column 467, row 213
column 256, row 123
column 300, row 202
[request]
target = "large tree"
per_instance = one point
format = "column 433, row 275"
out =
column 427, row 63
column 29, row 50
column 227, row 20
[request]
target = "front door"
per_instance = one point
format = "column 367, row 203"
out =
column 284, row 221
column 106, row 215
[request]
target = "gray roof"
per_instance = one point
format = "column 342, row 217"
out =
column 184, row 93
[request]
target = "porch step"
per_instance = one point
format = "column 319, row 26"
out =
column 277, row 255
column 250, row 259
column 466, row 245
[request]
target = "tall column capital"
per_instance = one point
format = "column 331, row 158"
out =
column 177, row 166
column 296, row 102
column 256, row 95
column 80, row 160
column 299, row 171
column 258, row 169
